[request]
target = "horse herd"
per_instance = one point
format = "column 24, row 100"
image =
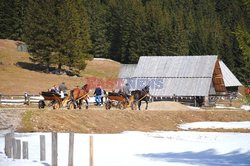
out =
column 76, row 96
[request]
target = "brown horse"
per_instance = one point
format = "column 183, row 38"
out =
column 76, row 97
column 119, row 101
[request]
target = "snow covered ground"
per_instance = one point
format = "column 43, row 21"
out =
column 214, row 125
column 183, row 148
column 245, row 107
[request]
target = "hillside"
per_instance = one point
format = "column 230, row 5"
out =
column 18, row 74
column 115, row 121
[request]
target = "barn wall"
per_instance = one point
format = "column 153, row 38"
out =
column 218, row 79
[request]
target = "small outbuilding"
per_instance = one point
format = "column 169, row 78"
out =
column 22, row 47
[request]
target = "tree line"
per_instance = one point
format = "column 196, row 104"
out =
column 67, row 32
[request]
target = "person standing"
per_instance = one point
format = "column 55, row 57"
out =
column 103, row 95
column 98, row 94
column 126, row 91
column 54, row 89
column 62, row 89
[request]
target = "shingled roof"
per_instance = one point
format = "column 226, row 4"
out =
column 228, row 77
column 175, row 66
column 127, row 70
column 181, row 75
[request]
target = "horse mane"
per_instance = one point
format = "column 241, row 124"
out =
column 85, row 88
column 146, row 88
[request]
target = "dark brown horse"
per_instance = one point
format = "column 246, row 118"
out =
column 77, row 95
column 141, row 95
column 118, row 100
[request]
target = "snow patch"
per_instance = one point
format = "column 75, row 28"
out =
column 216, row 125
column 245, row 107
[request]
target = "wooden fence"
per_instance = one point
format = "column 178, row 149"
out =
column 22, row 99
column 29, row 99
column 13, row 148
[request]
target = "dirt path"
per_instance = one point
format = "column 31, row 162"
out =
column 164, row 116
column 10, row 118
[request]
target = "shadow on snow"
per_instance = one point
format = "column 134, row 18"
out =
column 207, row 158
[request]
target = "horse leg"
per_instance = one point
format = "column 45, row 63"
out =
column 146, row 104
column 87, row 104
column 80, row 104
column 139, row 105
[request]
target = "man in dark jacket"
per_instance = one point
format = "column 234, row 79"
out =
column 98, row 94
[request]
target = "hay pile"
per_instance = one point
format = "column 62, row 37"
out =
column 166, row 106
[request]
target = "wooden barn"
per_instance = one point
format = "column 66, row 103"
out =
column 184, row 78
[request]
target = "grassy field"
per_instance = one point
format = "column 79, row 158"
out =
column 15, row 79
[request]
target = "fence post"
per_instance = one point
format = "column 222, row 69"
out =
column 28, row 100
column 54, row 149
column 8, row 144
column 71, row 149
column 195, row 101
column 25, row 150
column 91, row 151
column 25, row 98
column 206, row 101
column 42, row 148
column 14, row 151
column 18, row 149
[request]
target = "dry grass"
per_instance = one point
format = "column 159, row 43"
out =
column 115, row 121
column 17, row 80
column 102, row 69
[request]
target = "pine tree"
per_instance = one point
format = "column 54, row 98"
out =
column 73, row 39
column 125, row 30
column 97, row 14
column 178, row 44
column 40, row 25
column 11, row 18
column 232, row 14
column 57, row 32
column 243, row 37
column 156, row 29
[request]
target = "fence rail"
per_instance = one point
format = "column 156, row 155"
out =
column 29, row 99
column 15, row 99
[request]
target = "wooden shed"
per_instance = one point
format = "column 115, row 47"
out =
column 183, row 77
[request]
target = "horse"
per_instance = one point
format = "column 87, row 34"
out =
column 77, row 95
column 141, row 95
column 118, row 100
